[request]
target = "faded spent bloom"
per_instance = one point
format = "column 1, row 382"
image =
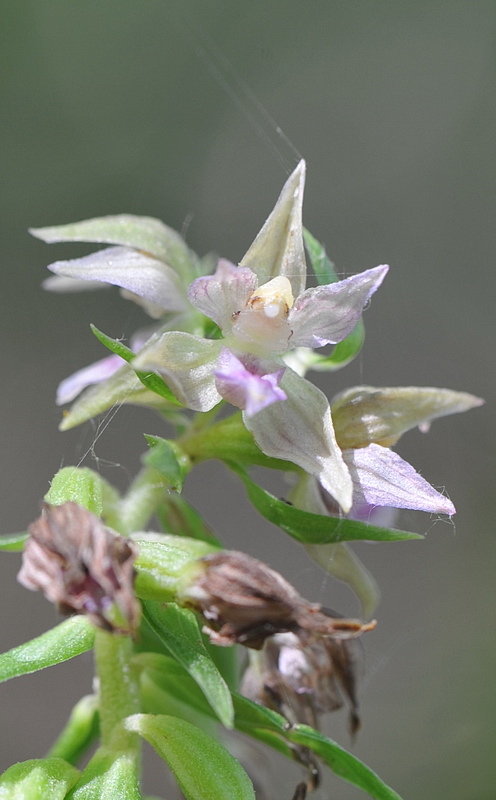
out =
column 302, row 680
column 263, row 312
column 82, row 566
column 245, row 602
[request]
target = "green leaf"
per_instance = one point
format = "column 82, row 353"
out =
column 203, row 768
column 342, row 763
column 345, row 351
column 123, row 386
column 67, row 640
column 164, row 457
column 181, row 519
column 149, row 379
column 314, row 528
column 178, row 630
column 108, row 776
column 269, row 727
column 81, row 730
column 13, row 543
column 323, row 268
column 229, row 440
column 38, row 779
column 254, row 719
column 171, row 679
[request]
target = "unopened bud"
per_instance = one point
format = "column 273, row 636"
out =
column 366, row 414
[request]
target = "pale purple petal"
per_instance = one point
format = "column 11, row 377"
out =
column 244, row 389
column 278, row 248
column 300, row 430
column 327, row 314
column 382, row 478
column 138, row 273
column 224, row 293
column 61, row 285
column 186, row 363
column 97, row 372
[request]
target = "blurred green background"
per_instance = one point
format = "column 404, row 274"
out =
column 127, row 106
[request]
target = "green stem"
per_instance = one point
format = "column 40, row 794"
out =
column 118, row 690
column 144, row 495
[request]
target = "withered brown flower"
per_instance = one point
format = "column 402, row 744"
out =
column 302, row 679
column 245, row 601
column 82, row 566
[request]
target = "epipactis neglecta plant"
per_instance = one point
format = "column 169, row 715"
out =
column 166, row 610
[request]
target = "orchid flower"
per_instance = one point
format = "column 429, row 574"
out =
column 263, row 311
column 367, row 421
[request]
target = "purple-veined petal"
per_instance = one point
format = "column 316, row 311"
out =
column 131, row 270
column 97, row 372
column 224, row 293
column 141, row 233
column 327, row 314
column 382, row 478
column 187, row 364
column 278, row 248
column 300, row 430
column 245, row 389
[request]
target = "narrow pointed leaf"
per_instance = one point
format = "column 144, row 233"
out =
column 123, row 386
column 178, row 630
column 322, row 266
column 180, row 518
column 38, row 779
column 314, row 528
column 344, row 352
column 163, row 457
column 203, row 768
column 67, row 640
column 13, row 543
column 148, row 379
column 342, row 763
column 271, row 728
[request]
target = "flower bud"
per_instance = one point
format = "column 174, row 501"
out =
column 245, row 601
column 82, row 566
column 365, row 414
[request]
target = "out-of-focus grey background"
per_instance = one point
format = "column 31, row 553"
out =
column 128, row 106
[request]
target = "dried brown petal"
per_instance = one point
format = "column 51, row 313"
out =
column 82, row 566
column 302, row 679
column 246, row 601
